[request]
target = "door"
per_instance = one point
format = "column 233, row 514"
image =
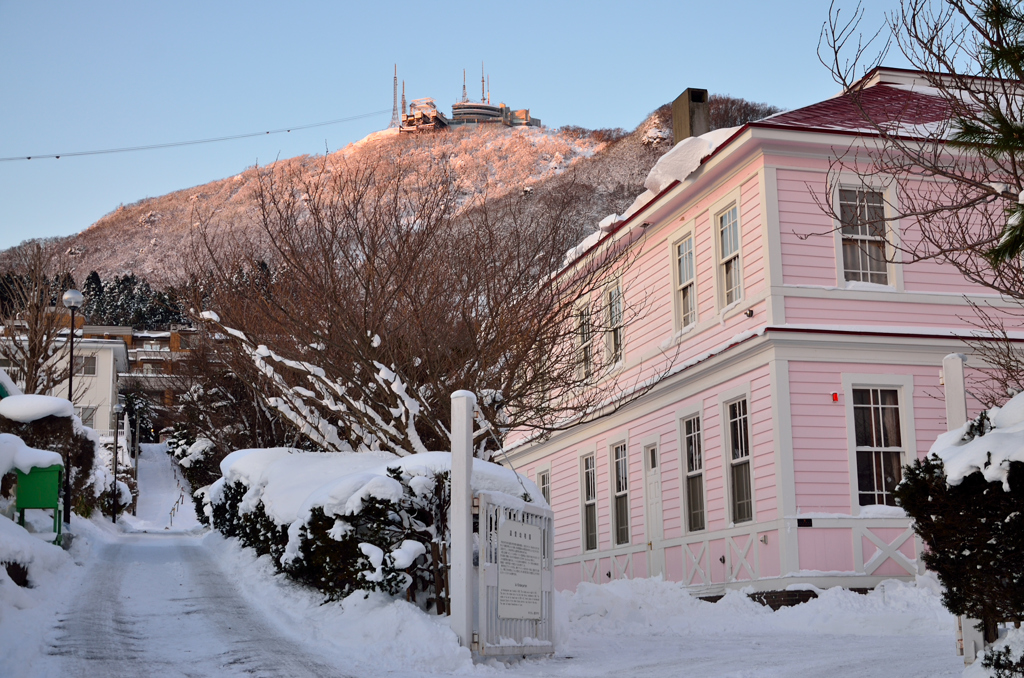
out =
column 652, row 514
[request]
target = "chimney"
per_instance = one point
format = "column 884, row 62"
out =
column 690, row 114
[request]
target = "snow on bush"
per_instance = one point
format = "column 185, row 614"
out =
column 346, row 521
column 28, row 408
column 987, row 445
column 967, row 501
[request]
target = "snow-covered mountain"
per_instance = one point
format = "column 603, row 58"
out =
column 151, row 237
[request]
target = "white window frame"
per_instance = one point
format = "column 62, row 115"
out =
column 91, row 409
column 904, row 385
column 583, row 318
column 586, row 500
column 681, row 418
column 538, row 473
column 725, row 399
column 733, row 257
column 894, row 267
column 618, row 493
column 683, row 322
column 615, row 332
column 81, row 368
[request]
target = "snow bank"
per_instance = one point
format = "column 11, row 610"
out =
column 28, row 408
column 18, row 545
column 291, row 482
column 990, row 453
column 636, row 606
column 15, row 454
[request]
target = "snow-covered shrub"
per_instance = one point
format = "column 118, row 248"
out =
column 1003, row 664
column 368, row 550
column 967, row 502
column 198, row 460
column 66, row 437
column 342, row 522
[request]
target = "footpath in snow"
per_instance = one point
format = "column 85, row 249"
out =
column 137, row 599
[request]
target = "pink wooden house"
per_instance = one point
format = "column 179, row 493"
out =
column 807, row 372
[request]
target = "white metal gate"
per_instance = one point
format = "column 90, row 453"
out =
column 496, row 636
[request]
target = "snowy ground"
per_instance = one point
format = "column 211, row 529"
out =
column 138, row 599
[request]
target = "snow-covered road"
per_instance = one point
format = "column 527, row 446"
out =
column 161, row 600
column 160, row 605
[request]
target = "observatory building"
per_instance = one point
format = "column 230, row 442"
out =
column 423, row 115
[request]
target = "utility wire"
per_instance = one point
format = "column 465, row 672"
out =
column 195, row 142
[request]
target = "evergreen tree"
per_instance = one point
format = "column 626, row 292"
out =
column 974, row 532
column 92, row 290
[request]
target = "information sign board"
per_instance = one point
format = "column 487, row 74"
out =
column 520, row 561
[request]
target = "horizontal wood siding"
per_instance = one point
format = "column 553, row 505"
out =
column 821, row 452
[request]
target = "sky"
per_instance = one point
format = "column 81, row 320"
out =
column 100, row 75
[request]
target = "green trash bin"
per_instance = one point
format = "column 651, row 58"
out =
column 40, row 489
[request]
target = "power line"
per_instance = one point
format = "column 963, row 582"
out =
column 194, row 142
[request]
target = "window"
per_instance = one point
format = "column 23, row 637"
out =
column 87, row 415
column 729, row 247
column 148, row 368
column 151, row 346
column 739, row 462
column 652, row 457
column 876, row 423
column 589, row 504
column 85, row 365
column 686, row 291
column 544, row 483
column 862, row 215
column 615, row 329
column 621, row 502
column 585, row 337
column 694, row 474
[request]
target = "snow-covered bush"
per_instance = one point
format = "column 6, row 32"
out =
column 342, row 522
column 967, row 502
column 198, row 460
column 61, row 433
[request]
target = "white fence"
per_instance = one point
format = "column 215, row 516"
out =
column 520, row 635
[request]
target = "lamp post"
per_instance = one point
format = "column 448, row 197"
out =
column 73, row 300
column 118, row 409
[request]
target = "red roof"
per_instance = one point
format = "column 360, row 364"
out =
column 897, row 106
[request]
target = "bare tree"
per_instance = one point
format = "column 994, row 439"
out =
column 35, row 324
column 952, row 150
column 370, row 290
column 944, row 149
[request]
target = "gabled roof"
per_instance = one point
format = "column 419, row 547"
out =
column 900, row 107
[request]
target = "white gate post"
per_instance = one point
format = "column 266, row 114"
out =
column 461, row 524
column 970, row 641
column 956, row 391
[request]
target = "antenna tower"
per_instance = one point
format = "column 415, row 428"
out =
column 483, row 87
column 465, row 97
column 488, row 90
column 403, row 97
column 395, row 120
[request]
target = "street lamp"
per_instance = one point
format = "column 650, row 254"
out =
column 118, row 409
column 73, row 300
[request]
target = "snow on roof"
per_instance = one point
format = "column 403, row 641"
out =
column 27, row 408
column 991, row 453
column 291, row 482
column 15, row 454
column 684, row 158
